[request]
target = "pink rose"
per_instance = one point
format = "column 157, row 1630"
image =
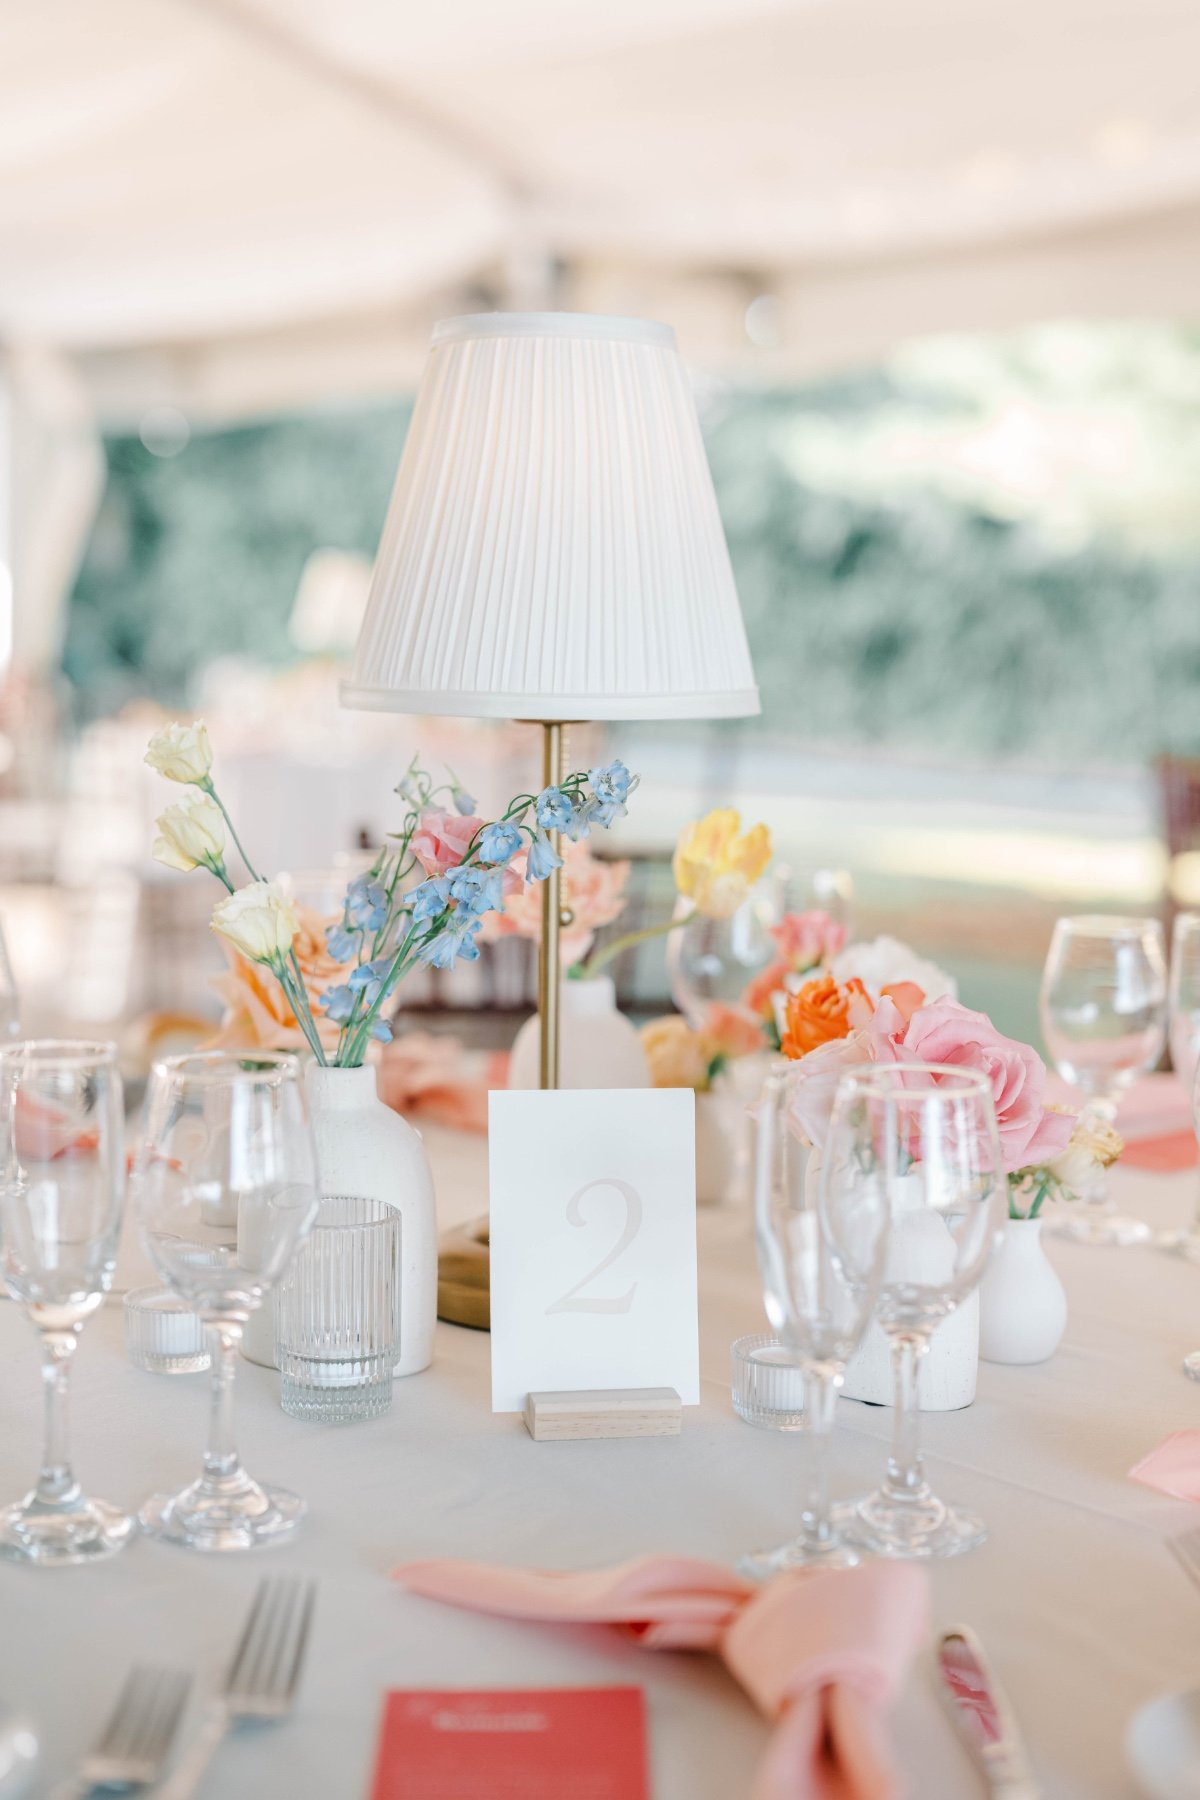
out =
column 808, row 938
column 945, row 1032
column 441, row 839
column 812, row 1084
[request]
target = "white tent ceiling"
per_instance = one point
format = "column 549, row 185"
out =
column 241, row 202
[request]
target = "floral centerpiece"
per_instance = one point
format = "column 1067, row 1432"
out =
column 423, row 899
column 682, row 1057
column 832, row 1026
column 715, row 865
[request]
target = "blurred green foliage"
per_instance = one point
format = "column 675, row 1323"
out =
column 877, row 615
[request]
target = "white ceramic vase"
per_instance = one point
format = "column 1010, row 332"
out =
column 718, row 1125
column 365, row 1148
column 598, row 1047
column 1024, row 1304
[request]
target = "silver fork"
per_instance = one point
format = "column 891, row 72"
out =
column 135, row 1743
column 261, row 1680
column 1186, row 1550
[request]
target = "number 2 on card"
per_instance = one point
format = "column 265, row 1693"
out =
column 573, row 1300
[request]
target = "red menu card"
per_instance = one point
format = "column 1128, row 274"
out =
column 527, row 1744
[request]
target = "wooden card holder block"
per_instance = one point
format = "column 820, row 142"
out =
column 606, row 1413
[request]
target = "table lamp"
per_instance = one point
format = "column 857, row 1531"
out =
column 553, row 550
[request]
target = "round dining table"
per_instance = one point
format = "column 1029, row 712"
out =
column 1084, row 1611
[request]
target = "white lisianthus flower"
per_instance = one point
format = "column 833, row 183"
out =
column 181, row 752
column 883, row 961
column 259, row 920
column 1093, row 1145
column 191, row 833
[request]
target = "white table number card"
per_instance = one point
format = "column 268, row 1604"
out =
column 593, row 1242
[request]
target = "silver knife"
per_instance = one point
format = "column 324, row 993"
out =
column 982, row 1714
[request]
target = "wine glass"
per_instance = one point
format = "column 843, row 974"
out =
column 819, row 1292
column 226, row 1189
column 62, row 1186
column 712, row 959
column 1104, row 1019
column 1183, row 1035
column 10, row 1006
column 921, row 1140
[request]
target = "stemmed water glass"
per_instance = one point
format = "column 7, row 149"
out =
column 820, row 1289
column 62, row 1186
column 1183, row 1035
column 1104, row 1019
column 921, row 1141
column 10, row 1007
column 226, row 1190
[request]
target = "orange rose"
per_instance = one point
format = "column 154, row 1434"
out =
column 820, row 1014
column 759, row 995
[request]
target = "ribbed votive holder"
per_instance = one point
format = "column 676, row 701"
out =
column 768, row 1387
column 162, row 1335
column 335, row 1314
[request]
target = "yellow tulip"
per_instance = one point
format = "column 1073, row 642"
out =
column 716, row 865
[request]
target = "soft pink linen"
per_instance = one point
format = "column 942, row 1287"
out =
column 1174, row 1468
column 824, row 1653
column 1155, row 1119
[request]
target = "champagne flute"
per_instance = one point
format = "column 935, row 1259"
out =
column 922, row 1140
column 1183, row 1035
column 62, row 1186
column 1104, row 1019
column 819, row 1290
column 226, row 1190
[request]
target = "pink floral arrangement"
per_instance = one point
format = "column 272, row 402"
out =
column 1045, row 1149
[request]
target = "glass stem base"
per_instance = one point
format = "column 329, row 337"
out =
column 69, row 1529
column 814, row 1548
column 233, row 1512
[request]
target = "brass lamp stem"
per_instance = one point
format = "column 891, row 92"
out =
column 549, row 965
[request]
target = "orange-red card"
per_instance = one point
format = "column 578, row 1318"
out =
column 527, row 1744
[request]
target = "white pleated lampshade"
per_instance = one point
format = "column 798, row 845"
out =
column 553, row 548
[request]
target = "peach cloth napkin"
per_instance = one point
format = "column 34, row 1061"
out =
column 435, row 1078
column 1173, row 1468
column 1154, row 1118
column 822, row 1652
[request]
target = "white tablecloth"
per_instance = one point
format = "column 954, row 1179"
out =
column 1083, row 1609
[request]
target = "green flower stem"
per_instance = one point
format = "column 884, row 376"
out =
column 629, row 942
column 211, row 791
column 1034, row 1210
column 299, row 1005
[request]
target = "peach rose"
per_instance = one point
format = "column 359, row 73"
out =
column 258, row 1015
column 729, row 1032
column 677, row 1055
column 759, row 997
column 820, row 1013
column 593, row 892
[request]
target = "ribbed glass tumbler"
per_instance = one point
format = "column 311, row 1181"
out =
column 335, row 1314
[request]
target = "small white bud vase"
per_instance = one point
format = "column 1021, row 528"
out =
column 718, row 1123
column 1024, row 1304
column 366, row 1149
column 598, row 1046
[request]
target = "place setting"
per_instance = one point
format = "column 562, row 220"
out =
column 599, row 909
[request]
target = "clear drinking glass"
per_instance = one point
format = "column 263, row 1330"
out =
column 62, row 1186
column 1104, row 1019
column 819, row 1288
column 1183, row 1029
column 335, row 1314
column 922, row 1141
column 226, row 1190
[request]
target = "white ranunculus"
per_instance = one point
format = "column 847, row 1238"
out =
column 259, row 920
column 180, row 752
column 1093, row 1145
column 190, row 833
column 883, row 961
